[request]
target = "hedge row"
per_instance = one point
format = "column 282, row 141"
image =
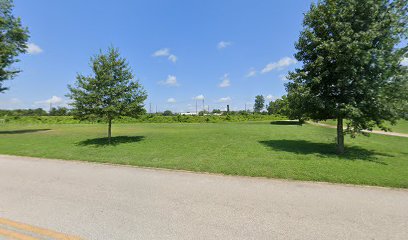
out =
column 144, row 119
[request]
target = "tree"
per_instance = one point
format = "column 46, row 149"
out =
column 13, row 39
column 216, row 111
column 202, row 113
column 167, row 113
column 279, row 106
column 60, row 111
column 298, row 101
column 259, row 103
column 352, row 63
column 110, row 93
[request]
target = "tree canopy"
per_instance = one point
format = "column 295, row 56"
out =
column 13, row 40
column 259, row 103
column 111, row 92
column 351, row 53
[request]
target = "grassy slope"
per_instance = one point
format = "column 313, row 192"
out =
column 400, row 127
column 251, row 149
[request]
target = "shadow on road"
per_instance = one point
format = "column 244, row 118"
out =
column 23, row 131
column 324, row 149
column 99, row 142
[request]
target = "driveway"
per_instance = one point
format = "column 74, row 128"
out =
column 97, row 201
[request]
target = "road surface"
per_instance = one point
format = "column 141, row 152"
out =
column 96, row 201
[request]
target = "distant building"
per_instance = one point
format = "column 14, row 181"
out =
column 188, row 113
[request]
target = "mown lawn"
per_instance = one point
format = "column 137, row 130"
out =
column 400, row 127
column 249, row 149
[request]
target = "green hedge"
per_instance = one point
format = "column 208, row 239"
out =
column 144, row 119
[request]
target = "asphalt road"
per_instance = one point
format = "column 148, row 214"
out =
column 95, row 201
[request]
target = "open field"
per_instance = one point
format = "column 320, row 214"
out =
column 400, row 127
column 278, row 150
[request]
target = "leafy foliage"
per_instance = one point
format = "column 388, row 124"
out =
column 60, row 111
column 351, row 63
column 279, row 106
column 259, row 103
column 23, row 112
column 13, row 39
column 167, row 113
column 44, row 119
column 111, row 93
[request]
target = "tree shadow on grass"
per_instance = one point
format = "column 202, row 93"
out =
column 23, row 131
column 324, row 150
column 288, row 122
column 100, row 142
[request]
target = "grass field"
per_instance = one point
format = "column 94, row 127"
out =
column 400, row 127
column 278, row 150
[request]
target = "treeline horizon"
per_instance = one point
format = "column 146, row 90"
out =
column 64, row 111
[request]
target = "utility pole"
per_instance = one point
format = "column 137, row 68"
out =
column 203, row 106
column 245, row 107
column 156, row 108
column 150, row 108
column 196, row 107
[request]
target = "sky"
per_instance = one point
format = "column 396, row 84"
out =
column 181, row 51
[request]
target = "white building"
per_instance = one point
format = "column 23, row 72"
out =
column 188, row 113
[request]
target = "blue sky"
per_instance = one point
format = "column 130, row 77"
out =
column 225, row 51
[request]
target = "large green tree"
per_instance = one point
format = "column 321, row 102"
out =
column 13, row 40
column 351, row 52
column 111, row 92
column 259, row 103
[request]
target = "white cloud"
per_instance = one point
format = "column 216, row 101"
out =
column 251, row 73
column 165, row 52
column 54, row 101
column 283, row 77
column 172, row 58
column 225, row 81
column 404, row 61
column 171, row 81
column 284, row 62
column 270, row 97
column 223, row 44
column 33, row 48
column 224, row 99
column 199, row 97
column 171, row 100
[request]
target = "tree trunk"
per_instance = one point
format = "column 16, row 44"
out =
column 340, row 136
column 109, row 130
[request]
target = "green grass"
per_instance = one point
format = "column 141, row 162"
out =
column 249, row 149
column 400, row 127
